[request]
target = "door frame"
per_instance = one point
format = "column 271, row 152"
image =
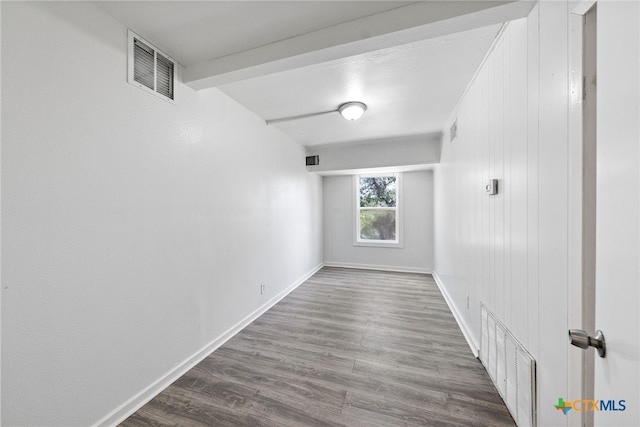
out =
column 580, row 305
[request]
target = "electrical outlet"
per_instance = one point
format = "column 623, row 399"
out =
column 262, row 288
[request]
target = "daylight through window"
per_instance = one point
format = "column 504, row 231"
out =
column 377, row 209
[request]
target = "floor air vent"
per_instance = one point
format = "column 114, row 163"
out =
column 511, row 368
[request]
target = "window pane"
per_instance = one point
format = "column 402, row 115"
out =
column 378, row 192
column 377, row 224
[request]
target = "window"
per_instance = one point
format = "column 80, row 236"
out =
column 150, row 69
column 377, row 210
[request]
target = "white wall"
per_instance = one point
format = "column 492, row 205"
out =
column 390, row 152
column 510, row 251
column 134, row 232
column 417, row 216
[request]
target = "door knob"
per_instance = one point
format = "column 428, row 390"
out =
column 581, row 339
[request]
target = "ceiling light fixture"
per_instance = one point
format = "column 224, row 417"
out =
column 349, row 110
column 352, row 110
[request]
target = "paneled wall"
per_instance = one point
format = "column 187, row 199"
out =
column 510, row 251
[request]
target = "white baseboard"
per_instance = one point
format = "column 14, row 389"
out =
column 378, row 267
column 136, row 402
column 466, row 331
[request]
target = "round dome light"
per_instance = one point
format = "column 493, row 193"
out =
column 352, row 110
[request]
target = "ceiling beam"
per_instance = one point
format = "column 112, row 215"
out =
column 409, row 24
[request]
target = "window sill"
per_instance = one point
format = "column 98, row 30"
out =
column 380, row 244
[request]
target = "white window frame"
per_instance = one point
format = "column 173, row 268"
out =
column 130, row 64
column 357, row 241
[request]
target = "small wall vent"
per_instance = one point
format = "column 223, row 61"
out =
column 149, row 68
column 453, row 131
column 313, row 160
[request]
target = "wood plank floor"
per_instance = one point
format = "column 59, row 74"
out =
column 346, row 348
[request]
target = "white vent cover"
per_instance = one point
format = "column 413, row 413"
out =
column 511, row 368
column 453, row 130
column 149, row 68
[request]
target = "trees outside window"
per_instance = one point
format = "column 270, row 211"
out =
column 377, row 208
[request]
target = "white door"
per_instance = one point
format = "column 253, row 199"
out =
column 617, row 375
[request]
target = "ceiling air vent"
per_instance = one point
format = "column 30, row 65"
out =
column 149, row 68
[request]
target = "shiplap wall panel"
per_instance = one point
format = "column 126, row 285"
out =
column 509, row 251
column 518, row 177
column 497, row 160
column 531, row 340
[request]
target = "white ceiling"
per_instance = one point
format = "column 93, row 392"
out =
column 409, row 62
column 408, row 90
column 197, row 31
